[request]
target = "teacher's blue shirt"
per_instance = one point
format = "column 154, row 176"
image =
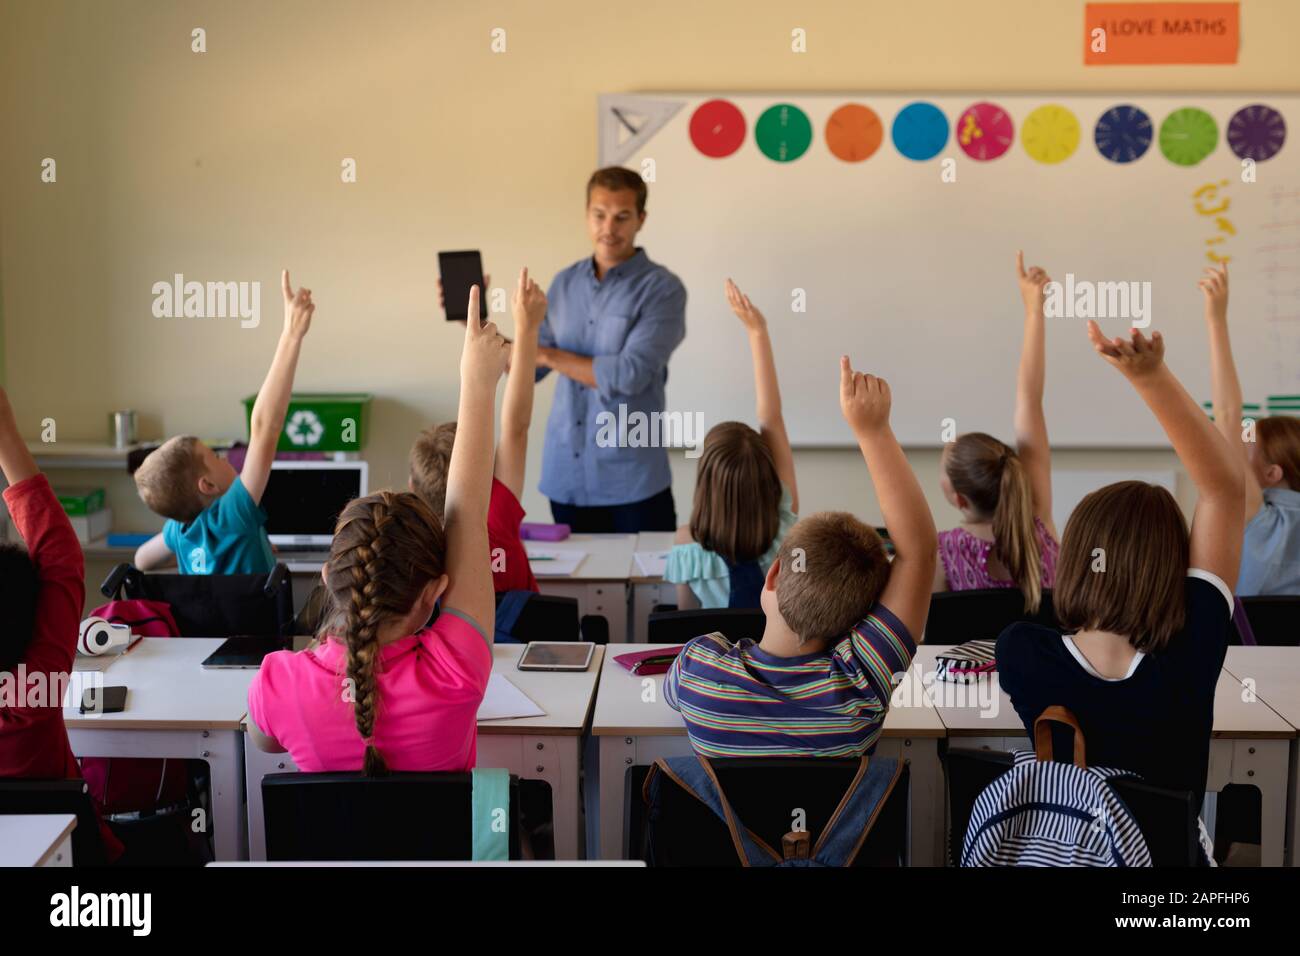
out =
column 630, row 322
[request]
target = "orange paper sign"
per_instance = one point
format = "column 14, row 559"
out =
column 1127, row 33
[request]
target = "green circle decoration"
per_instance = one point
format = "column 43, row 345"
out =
column 783, row 133
column 1188, row 135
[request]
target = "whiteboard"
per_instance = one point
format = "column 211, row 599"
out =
column 912, row 276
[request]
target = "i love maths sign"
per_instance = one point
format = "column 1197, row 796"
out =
column 1137, row 33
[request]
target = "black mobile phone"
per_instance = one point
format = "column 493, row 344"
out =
column 103, row 700
column 459, row 271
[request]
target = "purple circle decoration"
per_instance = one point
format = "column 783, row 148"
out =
column 1256, row 132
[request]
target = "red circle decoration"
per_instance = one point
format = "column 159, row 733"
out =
column 717, row 128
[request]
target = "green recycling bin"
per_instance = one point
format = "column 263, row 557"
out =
column 321, row 421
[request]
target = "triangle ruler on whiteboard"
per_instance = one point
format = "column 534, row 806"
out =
column 628, row 122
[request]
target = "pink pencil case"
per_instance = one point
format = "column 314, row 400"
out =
column 645, row 663
column 536, row 531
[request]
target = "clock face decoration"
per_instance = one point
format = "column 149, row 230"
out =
column 920, row 131
column 717, row 128
column 1050, row 134
column 985, row 131
column 1123, row 133
column 783, row 132
column 853, row 133
column 1256, row 132
column 1188, row 135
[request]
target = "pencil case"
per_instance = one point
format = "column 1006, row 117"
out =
column 649, row 663
column 536, row 531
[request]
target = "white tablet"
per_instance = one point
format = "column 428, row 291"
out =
column 556, row 656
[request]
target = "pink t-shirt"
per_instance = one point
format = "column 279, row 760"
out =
column 966, row 559
column 430, row 687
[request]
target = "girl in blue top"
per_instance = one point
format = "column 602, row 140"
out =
column 1270, row 554
column 746, row 498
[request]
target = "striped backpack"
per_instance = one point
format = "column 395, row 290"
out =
column 1044, row 813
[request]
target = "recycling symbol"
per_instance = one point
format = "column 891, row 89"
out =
column 304, row 428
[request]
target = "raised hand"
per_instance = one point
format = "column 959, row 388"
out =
column 864, row 399
column 1137, row 358
column 528, row 304
column 485, row 354
column 745, row 310
column 1215, row 286
column 298, row 307
column 1032, row 283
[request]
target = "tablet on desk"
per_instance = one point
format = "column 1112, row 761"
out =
column 243, row 653
column 556, row 656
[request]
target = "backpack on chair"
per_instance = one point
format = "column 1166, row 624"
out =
column 1045, row 813
column 840, row 839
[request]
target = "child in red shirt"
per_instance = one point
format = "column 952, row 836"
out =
column 431, row 453
column 43, row 591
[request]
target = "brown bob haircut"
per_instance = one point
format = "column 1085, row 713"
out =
column 737, row 507
column 1279, row 442
column 430, row 459
column 833, row 569
column 616, row 178
column 1144, row 551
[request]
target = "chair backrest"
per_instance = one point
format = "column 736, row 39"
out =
column 1167, row 818
column 213, row 605
column 959, row 616
column 58, row 796
column 678, row 627
column 401, row 816
column 1274, row 619
column 765, row 793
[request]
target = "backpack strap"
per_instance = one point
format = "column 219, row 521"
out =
column 1244, row 630
column 1043, row 734
column 842, row 837
column 696, row 776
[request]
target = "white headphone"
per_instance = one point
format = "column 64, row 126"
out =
column 99, row 637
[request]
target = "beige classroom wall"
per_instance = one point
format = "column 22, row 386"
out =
column 225, row 166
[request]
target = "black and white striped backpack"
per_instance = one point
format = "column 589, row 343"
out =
column 1044, row 813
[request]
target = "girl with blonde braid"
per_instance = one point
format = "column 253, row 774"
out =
column 378, row 691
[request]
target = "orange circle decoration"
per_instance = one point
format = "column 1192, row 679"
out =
column 854, row 133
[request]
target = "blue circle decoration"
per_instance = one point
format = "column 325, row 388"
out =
column 1124, row 133
column 920, row 131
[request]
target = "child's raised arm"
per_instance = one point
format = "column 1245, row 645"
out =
column 1225, row 389
column 15, row 459
column 1216, row 469
column 865, row 402
column 273, row 397
column 1030, row 424
column 528, row 305
column 771, row 423
column 469, row 473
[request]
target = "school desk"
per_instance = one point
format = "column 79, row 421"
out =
column 537, row 748
column 600, row 582
column 1273, row 674
column 36, row 839
column 648, row 590
column 633, row 725
column 1250, row 743
column 175, row 709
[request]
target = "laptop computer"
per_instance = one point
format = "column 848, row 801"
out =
column 303, row 500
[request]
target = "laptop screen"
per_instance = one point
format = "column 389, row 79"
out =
column 303, row 503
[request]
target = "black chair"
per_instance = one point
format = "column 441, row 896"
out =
column 959, row 616
column 1167, row 818
column 763, row 793
column 402, row 816
column 678, row 627
column 549, row 617
column 1274, row 620
column 213, row 605
column 58, row 796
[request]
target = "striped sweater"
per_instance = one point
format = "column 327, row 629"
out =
column 739, row 701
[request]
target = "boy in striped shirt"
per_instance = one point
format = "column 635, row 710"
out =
column 840, row 625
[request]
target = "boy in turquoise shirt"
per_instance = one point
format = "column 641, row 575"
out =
column 215, row 521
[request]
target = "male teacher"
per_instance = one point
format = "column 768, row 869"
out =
column 612, row 321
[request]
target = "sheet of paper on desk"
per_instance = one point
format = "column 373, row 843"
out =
column 504, row 701
column 651, row 564
column 553, row 562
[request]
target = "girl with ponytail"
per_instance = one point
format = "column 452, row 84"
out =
column 1007, row 537
column 378, row 690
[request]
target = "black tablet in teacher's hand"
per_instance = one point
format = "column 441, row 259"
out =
column 460, row 271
